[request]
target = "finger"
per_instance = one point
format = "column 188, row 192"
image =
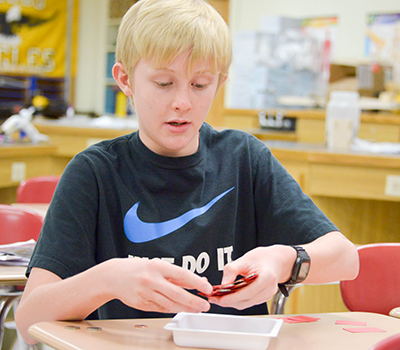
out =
column 175, row 299
column 170, row 280
column 187, row 279
column 173, row 288
column 175, row 307
column 236, row 268
column 163, row 305
column 244, row 298
column 229, row 274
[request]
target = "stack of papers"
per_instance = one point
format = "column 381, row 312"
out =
column 17, row 254
column 375, row 147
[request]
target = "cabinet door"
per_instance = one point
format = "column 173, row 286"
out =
column 379, row 132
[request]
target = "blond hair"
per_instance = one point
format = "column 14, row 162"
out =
column 159, row 30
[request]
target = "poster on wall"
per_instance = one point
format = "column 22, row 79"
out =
column 383, row 37
column 324, row 29
column 285, row 63
column 33, row 37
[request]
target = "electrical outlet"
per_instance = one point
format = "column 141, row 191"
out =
column 18, row 171
column 392, row 187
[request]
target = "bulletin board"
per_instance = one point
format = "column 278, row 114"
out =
column 34, row 37
column 383, row 37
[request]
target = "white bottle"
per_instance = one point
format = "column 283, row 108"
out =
column 342, row 120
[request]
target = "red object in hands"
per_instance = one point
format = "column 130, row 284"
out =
column 229, row 288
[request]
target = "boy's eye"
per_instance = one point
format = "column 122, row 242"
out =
column 199, row 86
column 164, row 84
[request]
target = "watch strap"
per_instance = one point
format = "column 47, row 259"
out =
column 301, row 257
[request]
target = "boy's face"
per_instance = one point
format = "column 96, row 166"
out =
column 171, row 104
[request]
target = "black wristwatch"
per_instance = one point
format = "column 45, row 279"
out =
column 300, row 270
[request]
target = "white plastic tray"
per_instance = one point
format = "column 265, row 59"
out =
column 223, row 331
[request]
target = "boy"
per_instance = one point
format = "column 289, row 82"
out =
column 139, row 224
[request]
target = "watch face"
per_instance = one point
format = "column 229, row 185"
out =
column 304, row 269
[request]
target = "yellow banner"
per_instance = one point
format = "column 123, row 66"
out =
column 33, row 35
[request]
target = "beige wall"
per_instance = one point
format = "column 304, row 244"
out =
column 245, row 14
column 89, row 86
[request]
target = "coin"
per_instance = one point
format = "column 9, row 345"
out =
column 225, row 289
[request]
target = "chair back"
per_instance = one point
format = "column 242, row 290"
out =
column 377, row 287
column 18, row 224
column 389, row 343
column 38, row 189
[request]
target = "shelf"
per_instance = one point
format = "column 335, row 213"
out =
column 117, row 9
column 18, row 91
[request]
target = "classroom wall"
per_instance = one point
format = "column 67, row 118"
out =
column 90, row 78
column 245, row 14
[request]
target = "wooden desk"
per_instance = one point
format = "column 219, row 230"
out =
column 73, row 136
column 12, row 275
column 310, row 124
column 349, row 187
column 122, row 334
column 349, row 174
column 30, row 160
column 12, row 281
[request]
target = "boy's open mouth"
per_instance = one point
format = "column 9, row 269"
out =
column 177, row 124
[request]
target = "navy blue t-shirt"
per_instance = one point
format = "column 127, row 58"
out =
column 119, row 199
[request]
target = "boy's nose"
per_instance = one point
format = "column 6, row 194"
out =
column 181, row 102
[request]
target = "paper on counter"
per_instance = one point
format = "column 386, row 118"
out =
column 375, row 147
column 298, row 319
column 364, row 330
column 114, row 123
column 18, row 253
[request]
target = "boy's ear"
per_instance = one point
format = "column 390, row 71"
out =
column 221, row 82
column 121, row 77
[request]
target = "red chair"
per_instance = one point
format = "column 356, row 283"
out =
column 38, row 189
column 377, row 287
column 390, row 343
column 18, row 224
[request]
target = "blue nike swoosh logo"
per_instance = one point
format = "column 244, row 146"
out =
column 138, row 231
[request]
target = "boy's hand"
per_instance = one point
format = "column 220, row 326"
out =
column 225, row 289
column 269, row 263
column 156, row 285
